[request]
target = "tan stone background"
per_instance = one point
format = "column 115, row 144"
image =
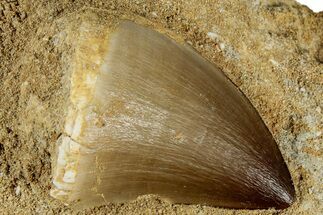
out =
column 269, row 49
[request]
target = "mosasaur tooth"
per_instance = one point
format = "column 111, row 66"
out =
column 150, row 116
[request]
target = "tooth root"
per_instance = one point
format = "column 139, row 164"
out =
column 150, row 116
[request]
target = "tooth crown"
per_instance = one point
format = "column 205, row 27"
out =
column 150, row 116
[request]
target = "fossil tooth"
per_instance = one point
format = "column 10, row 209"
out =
column 150, row 116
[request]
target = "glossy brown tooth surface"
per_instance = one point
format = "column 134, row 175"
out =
column 150, row 116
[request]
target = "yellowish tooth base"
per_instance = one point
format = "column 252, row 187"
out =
column 66, row 167
column 91, row 47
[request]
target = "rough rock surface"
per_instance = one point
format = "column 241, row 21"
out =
column 272, row 50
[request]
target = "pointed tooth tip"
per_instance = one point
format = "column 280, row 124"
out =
column 291, row 197
column 290, row 193
column 284, row 204
column 286, row 198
